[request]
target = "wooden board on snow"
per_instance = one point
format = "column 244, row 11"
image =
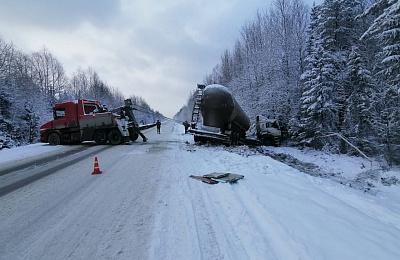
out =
column 216, row 175
column 231, row 177
column 203, row 179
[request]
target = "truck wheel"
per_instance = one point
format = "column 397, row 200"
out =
column 264, row 141
column 115, row 137
column 232, row 138
column 100, row 137
column 54, row 139
column 237, row 138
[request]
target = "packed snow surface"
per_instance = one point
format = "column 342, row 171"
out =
column 145, row 206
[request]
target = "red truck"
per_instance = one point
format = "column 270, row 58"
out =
column 88, row 120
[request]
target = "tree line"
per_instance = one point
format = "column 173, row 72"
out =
column 331, row 69
column 30, row 85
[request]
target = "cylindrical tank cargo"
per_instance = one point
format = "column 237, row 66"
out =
column 220, row 109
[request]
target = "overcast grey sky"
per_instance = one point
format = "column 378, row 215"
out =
column 156, row 49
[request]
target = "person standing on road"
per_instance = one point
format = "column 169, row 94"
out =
column 158, row 124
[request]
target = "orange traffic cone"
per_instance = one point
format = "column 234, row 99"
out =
column 96, row 167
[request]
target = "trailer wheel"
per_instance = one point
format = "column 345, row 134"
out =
column 234, row 138
column 100, row 137
column 231, row 139
column 54, row 139
column 237, row 138
column 115, row 137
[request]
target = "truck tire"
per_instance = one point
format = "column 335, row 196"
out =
column 237, row 138
column 100, row 137
column 54, row 139
column 264, row 141
column 115, row 137
column 234, row 138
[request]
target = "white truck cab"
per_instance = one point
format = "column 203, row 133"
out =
column 268, row 130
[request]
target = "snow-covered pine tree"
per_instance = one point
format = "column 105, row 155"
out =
column 333, row 33
column 318, row 111
column 338, row 35
column 386, row 28
column 390, row 125
column 299, row 122
column 360, row 119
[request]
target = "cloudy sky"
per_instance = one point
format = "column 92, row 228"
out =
column 156, row 49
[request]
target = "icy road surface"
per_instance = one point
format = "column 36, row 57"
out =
column 145, row 206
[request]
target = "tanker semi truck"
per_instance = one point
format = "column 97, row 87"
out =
column 226, row 122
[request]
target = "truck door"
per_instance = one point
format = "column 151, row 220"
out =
column 65, row 117
column 60, row 120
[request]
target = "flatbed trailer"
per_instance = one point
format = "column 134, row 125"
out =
column 207, row 136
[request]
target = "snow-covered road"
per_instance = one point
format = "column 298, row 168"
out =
column 145, row 206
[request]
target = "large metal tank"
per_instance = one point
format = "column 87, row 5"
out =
column 220, row 109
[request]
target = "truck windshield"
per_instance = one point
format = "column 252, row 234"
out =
column 272, row 125
column 59, row 112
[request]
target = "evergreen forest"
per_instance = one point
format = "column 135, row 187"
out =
column 329, row 73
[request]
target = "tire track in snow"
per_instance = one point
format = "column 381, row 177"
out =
column 106, row 216
column 175, row 231
column 260, row 235
column 29, row 176
column 286, row 247
column 205, row 224
column 215, row 229
column 40, row 160
column 227, row 235
column 185, row 199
